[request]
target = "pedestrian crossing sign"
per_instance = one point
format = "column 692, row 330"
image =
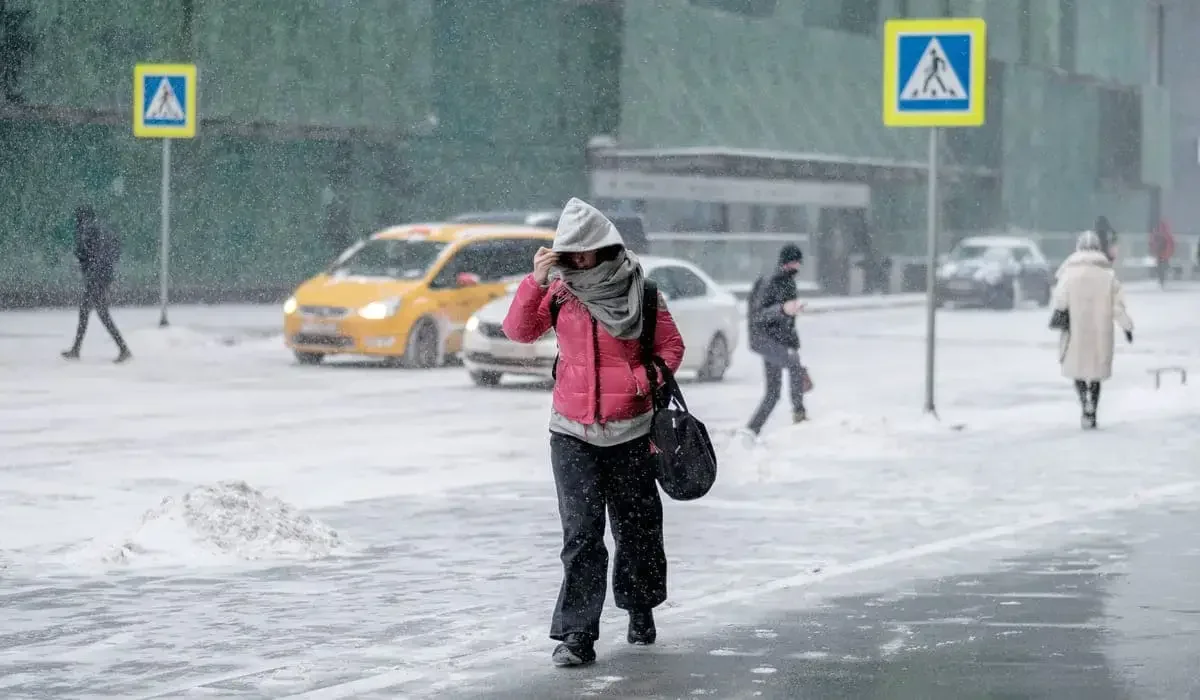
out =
column 934, row 72
column 164, row 101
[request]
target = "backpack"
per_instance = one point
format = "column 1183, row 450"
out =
column 752, row 304
column 686, row 461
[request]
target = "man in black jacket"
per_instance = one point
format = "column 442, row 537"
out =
column 771, row 316
column 98, row 250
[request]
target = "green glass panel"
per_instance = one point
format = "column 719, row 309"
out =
column 1156, row 136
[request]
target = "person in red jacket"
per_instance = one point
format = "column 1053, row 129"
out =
column 589, row 287
column 1162, row 247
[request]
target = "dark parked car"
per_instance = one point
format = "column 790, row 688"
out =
column 631, row 226
column 993, row 271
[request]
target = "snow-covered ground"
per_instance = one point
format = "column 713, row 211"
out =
column 211, row 520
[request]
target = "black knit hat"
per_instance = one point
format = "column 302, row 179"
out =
column 790, row 253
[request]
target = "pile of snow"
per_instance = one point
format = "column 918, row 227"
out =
column 225, row 522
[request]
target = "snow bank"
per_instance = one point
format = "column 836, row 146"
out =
column 226, row 522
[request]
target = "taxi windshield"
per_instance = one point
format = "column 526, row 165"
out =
column 393, row 258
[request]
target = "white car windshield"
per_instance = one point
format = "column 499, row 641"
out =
column 977, row 251
column 394, row 258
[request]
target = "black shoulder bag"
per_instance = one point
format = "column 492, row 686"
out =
column 687, row 462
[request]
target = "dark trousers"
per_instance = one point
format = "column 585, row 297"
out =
column 773, row 367
column 1089, row 396
column 95, row 296
column 589, row 479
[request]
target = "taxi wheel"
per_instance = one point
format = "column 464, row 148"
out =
column 486, row 378
column 422, row 351
column 309, row 358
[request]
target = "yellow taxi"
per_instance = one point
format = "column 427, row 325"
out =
column 404, row 295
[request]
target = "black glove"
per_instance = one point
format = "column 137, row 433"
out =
column 1129, row 336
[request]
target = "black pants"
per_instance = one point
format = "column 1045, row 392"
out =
column 588, row 479
column 1089, row 396
column 773, row 373
column 95, row 296
column 1161, row 268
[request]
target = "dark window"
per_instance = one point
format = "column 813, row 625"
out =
column 1157, row 27
column 1025, row 30
column 491, row 260
column 661, row 277
column 1120, row 146
column 750, row 8
column 1068, row 26
column 397, row 258
column 688, row 284
column 679, row 282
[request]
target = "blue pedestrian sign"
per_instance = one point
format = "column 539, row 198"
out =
column 164, row 101
column 934, row 72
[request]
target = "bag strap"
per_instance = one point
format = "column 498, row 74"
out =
column 649, row 328
column 555, row 305
column 655, row 367
column 752, row 297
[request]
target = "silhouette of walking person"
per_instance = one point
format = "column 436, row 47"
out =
column 934, row 72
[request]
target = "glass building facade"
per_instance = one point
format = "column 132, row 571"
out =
column 322, row 121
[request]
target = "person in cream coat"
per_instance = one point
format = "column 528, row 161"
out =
column 1090, row 293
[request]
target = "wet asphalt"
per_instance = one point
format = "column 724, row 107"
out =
column 1111, row 615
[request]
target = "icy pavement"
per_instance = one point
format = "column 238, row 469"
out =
column 444, row 564
column 1105, row 615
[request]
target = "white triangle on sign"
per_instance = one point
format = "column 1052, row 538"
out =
column 165, row 105
column 933, row 78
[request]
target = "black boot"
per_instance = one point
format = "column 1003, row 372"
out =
column 641, row 627
column 1087, row 414
column 577, row 649
column 1093, row 403
column 71, row 354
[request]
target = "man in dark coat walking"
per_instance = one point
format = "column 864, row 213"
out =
column 771, row 316
column 98, row 250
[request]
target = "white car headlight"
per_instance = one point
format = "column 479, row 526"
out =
column 472, row 324
column 379, row 310
column 290, row 306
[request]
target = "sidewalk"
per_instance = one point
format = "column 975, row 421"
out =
column 1078, row 620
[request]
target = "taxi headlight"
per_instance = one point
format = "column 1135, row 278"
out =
column 379, row 310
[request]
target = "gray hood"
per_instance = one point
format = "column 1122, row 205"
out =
column 582, row 227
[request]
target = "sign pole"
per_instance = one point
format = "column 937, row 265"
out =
column 165, row 108
column 934, row 76
column 931, row 204
column 165, row 241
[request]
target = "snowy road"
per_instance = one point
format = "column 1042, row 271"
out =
column 441, row 493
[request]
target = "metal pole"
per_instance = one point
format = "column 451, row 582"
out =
column 931, row 213
column 165, row 241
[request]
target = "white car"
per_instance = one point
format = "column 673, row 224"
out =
column 706, row 314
